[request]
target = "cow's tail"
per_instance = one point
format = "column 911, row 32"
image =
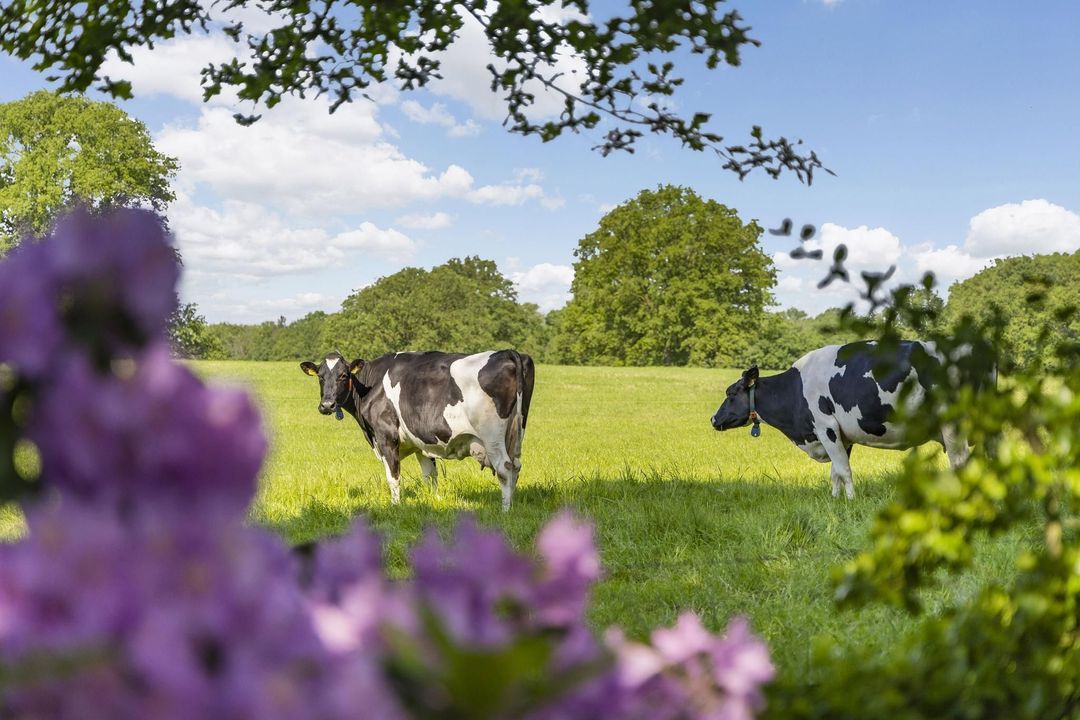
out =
column 515, row 429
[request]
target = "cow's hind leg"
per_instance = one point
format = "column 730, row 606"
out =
column 508, row 477
column 839, row 465
column 430, row 471
column 956, row 446
column 506, row 469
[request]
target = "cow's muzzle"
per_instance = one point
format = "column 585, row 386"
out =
column 719, row 423
column 327, row 408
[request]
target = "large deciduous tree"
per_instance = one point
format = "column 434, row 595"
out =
column 668, row 278
column 610, row 66
column 57, row 151
column 464, row 304
column 1031, row 293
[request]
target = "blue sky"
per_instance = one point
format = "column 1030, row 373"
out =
column 952, row 128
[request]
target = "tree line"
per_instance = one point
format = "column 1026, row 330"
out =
column 667, row 278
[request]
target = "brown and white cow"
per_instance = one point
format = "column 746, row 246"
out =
column 434, row 405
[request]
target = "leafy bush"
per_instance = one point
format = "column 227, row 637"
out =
column 1012, row 650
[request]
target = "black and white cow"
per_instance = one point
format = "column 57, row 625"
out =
column 830, row 400
column 434, row 405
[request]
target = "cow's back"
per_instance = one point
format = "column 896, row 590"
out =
column 446, row 402
column 841, row 381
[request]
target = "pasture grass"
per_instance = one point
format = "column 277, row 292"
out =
column 686, row 518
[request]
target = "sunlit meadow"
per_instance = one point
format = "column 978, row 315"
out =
column 686, row 518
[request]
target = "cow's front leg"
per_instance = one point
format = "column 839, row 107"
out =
column 839, row 463
column 430, row 471
column 392, row 462
column 956, row 447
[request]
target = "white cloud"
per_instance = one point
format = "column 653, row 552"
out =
column 437, row 114
column 505, row 194
column 464, row 67
column 420, row 221
column 868, row 249
column 248, row 240
column 1032, row 226
column 1028, row 227
column 528, row 174
column 948, row 264
column 293, row 307
column 546, row 284
column 560, row 13
column 172, row 67
column 301, row 159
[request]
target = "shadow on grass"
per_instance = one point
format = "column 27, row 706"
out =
column 764, row 549
column 646, row 522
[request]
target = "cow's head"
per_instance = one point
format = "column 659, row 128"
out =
column 735, row 412
column 336, row 380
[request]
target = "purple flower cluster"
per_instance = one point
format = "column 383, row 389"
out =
column 105, row 283
column 688, row 672
column 155, row 431
column 140, row 592
column 157, row 617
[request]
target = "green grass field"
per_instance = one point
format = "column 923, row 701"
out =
column 686, row 518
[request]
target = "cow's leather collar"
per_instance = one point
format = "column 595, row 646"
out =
column 339, row 414
column 756, row 429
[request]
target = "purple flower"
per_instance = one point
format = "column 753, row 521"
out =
column 66, row 550
column 154, row 431
column 106, row 283
column 687, row 672
column 350, row 596
column 118, row 268
column 479, row 587
column 571, row 567
column 30, row 331
column 160, row 617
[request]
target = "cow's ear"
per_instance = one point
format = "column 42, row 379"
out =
column 751, row 376
column 356, row 366
column 310, row 368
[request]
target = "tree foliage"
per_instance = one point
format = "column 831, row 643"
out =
column 344, row 47
column 465, row 305
column 1031, row 293
column 298, row 340
column 57, row 151
column 190, row 336
column 668, row 279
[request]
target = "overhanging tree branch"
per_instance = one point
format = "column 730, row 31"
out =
column 343, row 48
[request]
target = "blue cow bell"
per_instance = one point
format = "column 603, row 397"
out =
column 339, row 415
